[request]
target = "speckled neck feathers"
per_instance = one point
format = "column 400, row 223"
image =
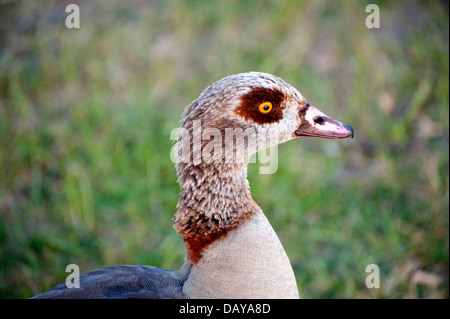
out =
column 215, row 199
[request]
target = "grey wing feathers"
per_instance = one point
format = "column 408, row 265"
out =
column 122, row 282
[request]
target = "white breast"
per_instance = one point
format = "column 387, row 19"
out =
column 249, row 262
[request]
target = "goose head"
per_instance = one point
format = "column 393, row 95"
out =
column 260, row 107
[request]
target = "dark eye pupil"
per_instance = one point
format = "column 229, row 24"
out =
column 266, row 107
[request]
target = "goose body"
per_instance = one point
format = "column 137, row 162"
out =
column 232, row 250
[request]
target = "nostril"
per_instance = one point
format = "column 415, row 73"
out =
column 319, row 119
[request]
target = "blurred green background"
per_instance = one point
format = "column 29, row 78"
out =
column 86, row 116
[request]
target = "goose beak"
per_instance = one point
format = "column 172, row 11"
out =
column 315, row 123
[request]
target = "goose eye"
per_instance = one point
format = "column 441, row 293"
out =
column 319, row 119
column 265, row 107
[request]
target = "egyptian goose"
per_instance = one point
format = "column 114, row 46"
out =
column 231, row 249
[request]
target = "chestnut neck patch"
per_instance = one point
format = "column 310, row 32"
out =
column 208, row 210
column 250, row 102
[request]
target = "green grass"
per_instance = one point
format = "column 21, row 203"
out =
column 86, row 116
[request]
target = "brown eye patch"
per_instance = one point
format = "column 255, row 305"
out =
column 248, row 108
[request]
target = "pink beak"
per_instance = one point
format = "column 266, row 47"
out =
column 315, row 123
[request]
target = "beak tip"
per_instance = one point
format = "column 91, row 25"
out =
column 348, row 127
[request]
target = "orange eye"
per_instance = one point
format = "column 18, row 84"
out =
column 265, row 107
